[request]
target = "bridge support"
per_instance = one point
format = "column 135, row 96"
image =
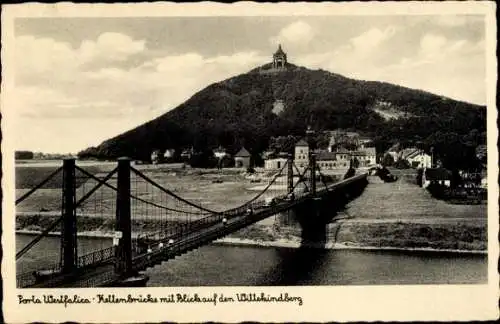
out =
column 312, row 178
column 69, row 253
column 123, row 226
column 290, row 173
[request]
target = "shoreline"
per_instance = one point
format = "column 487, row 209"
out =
column 230, row 241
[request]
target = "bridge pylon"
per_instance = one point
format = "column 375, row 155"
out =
column 312, row 177
column 123, row 225
column 69, row 244
column 289, row 173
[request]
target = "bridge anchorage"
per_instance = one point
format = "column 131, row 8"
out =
column 152, row 224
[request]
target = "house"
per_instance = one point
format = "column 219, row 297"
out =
column 393, row 151
column 156, row 157
column 301, row 157
column 484, row 179
column 220, row 152
column 186, row 154
column 242, row 158
column 364, row 141
column 436, row 175
column 169, row 153
column 342, row 139
column 416, row 158
column 419, row 159
column 275, row 163
column 328, row 161
column 367, row 156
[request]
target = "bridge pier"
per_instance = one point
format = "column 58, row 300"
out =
column 69, row 245
column 314, row 215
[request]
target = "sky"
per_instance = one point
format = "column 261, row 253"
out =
column 79, row 81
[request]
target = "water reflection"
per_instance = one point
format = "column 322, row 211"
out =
column 295, row 266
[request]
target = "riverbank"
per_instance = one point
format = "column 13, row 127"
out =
column 451, row 236
column 397, row 216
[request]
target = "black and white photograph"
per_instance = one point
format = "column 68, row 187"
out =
column 268, row 150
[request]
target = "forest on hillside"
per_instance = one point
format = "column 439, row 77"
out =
column 238, row 112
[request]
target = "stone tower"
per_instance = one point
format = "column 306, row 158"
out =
column 279, row 59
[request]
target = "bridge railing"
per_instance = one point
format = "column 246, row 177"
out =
column 96, row 257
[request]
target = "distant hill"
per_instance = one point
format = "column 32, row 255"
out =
column 239, row 112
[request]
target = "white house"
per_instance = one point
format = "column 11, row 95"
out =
column 242, row 158
column 169, row 153
column 418, row 159
column 275, row 164
column 220, row 153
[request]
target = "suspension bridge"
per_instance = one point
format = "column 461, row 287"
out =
column 153, row 224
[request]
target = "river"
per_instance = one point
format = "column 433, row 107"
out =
column 224, row 265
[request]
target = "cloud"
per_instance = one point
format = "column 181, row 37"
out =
column 371, row 39
column 297, row 33
column 54, row 83
column 450, row 67
column 110, row 46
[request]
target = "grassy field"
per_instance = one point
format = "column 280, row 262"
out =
column 213, row 189
column 403, row 199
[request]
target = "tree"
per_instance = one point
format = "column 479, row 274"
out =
column 388, row 160
column 355, row 163
column 24, row 155
column 402, row 164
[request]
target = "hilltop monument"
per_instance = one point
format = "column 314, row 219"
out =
column 279, row 59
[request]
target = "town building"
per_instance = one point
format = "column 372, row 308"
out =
column 156, row 157
column 242, row 158
column 338, row 159
column 275, row 163
column 439, row 176
column 301, row 157
column 169, row 153
column 220, row 152
column 340, row 139
column 416, row 158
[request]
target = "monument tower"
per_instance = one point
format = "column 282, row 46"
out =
column 279, row 59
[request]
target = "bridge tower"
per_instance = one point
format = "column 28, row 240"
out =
column 69, row 253
column 123, row 225
column 290, row 173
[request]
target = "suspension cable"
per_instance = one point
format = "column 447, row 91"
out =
column 41, row 184
column 137, row 198
column 301, row 176
column 263, row 191
column 168, row 192
column 101, row 182
column 322, row 177
column 38, row 238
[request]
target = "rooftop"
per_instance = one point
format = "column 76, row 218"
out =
column 242, row 153
column 279, row 52
column 302, row 142
column 437, row 174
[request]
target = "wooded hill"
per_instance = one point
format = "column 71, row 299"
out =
column 238, row 112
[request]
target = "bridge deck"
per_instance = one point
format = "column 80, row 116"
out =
column 103, row 274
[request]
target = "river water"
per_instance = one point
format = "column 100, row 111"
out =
column 223, row 265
